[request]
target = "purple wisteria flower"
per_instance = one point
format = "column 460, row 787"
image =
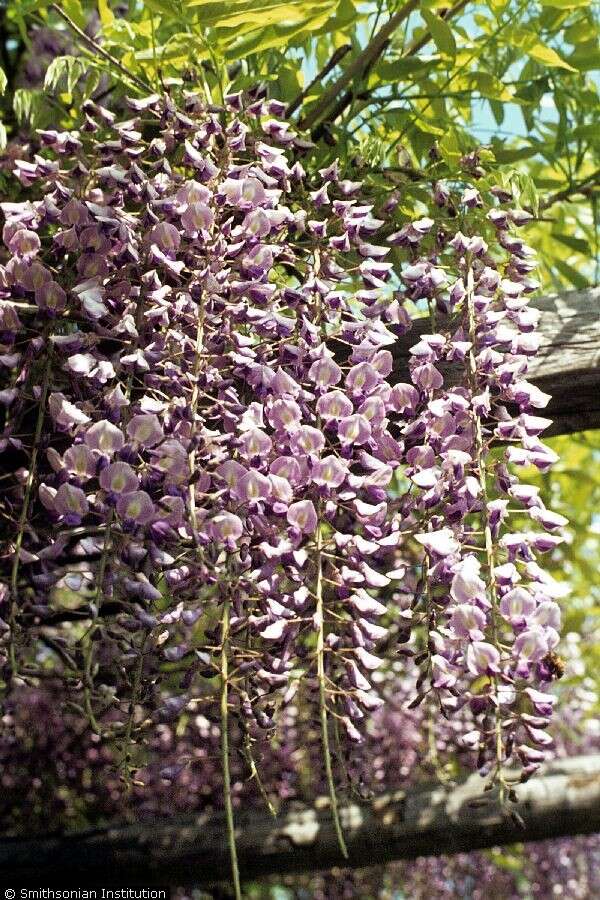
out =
column 224, row 436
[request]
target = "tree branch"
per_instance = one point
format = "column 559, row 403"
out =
column 424, row 821
column 578, row 187
column 96, row 48
column 358, row 65
column 336, row 58
column 347, row 98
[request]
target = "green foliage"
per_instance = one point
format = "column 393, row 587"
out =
column 26, row 104
column 572, row 488
column 66, row 69
column 440, row 32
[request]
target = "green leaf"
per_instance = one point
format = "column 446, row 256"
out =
column 3, row 81
column 571, row 274
column 528, row 192
column 164, row 7
column 107, row 17
column 587, row 57
column 26, row 105
column 235, row 13
column 497, row 109
column 280, row 35
column 243, row 27
column 74, row 10
column 2, row 137
column 490, row 87
column 513, row 154
column 578, row 32
column 440, row 32
column 399, row 69
column 429, row 126
column 288, row 81
column 587, row 132
column 548, row 57
column 573, row 243
column 55, row 71
column 277, row 14
column 69, row 68
column 450, row 148
column 533, row 90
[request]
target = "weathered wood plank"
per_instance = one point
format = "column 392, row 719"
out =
column 564, row 800
column 567, row 365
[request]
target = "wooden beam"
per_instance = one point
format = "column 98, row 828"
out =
column 567, row 365
column 425, row 821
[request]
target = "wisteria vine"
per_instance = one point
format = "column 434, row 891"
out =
column 212, row 469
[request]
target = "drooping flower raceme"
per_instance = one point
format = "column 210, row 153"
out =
column 491, row 611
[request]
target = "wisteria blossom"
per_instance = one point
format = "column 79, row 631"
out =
column 208, row 335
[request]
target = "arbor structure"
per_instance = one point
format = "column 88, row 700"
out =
column 273, row 362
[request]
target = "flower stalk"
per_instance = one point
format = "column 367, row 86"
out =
column 227, row 799
column 320, row 652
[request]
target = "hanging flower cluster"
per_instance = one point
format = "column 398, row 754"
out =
column 205, row 430
column 490, row 610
